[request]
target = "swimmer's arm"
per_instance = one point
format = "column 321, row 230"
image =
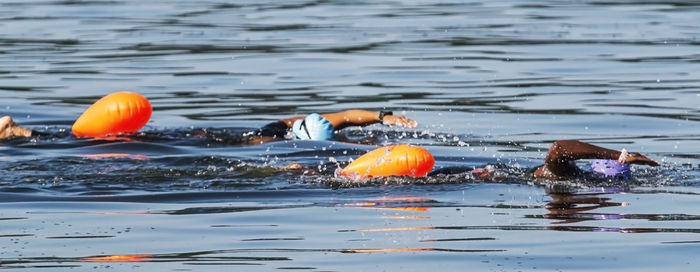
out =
column 564, row 151
column 569, row 150
column 348, row 118
column 575, row 150
column 8, row 128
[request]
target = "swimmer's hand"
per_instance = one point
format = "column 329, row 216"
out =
column 636, row 158
column 399, row 120
column 295, row 167
column 8, row 128
column 482, row 172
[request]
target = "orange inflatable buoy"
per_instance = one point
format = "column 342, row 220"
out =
column 393, row 160
column 119, row 112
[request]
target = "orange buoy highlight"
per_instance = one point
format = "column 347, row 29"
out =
column 119, row 112
column 115, row 155
column 120, row 258
column 393, row 160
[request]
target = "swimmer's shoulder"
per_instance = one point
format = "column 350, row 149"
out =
column 451, row 170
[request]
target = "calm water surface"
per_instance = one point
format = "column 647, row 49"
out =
column 492, row 82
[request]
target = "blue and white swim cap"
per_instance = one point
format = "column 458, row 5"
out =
column 313, row 127
column 611, row 169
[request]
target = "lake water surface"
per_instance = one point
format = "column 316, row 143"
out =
column 490, row 83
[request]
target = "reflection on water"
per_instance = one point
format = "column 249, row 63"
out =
column 490, row 83
column 571, row 208
column 477, row 222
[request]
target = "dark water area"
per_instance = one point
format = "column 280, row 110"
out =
column 490, row 83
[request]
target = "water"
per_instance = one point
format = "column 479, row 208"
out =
column 491, row 82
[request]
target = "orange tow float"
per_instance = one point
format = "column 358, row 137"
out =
column 119, row 112
column 393, row 160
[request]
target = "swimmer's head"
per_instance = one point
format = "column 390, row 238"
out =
column 611, row 169
column 313, row 127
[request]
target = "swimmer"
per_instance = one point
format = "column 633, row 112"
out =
column 323, row 126
column 608, row 162
column 312, row 126
column 560, row 162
